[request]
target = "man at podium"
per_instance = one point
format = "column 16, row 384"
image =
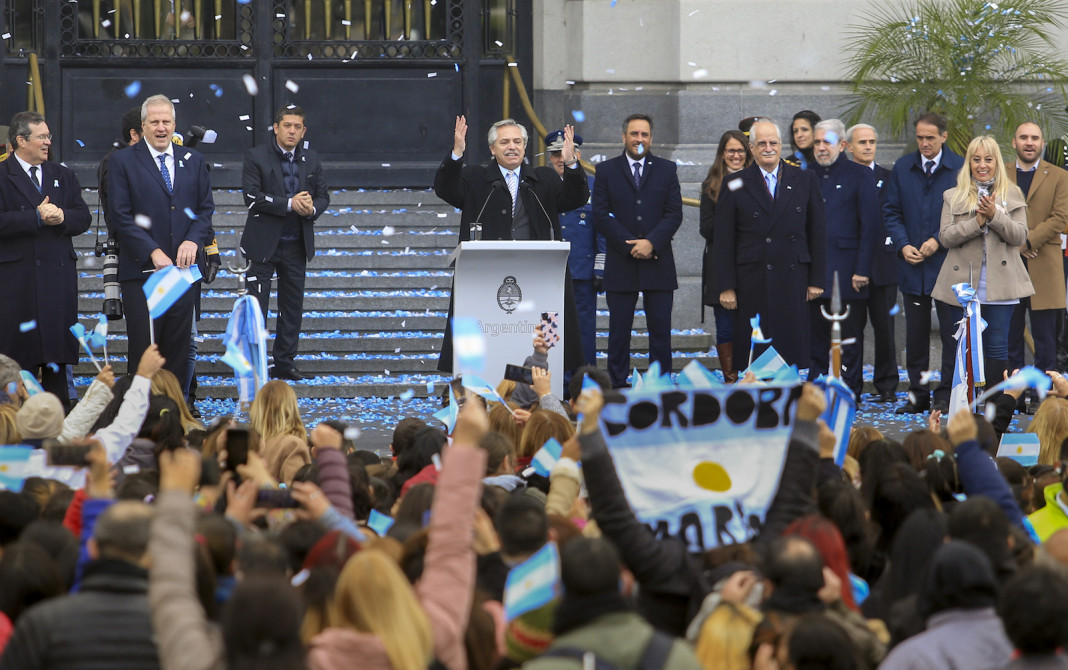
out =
column 508, row 199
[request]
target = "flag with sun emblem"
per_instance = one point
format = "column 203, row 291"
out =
column 702, row 464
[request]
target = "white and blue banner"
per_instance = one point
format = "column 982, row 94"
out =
column 702, row 464
column 840, row 414
column 246, row 347
column 969, row 338
column 533, row 583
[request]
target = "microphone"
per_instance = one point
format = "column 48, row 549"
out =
column 527, row 186
column 478, row 219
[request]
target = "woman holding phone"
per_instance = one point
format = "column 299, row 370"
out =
column 984, row 224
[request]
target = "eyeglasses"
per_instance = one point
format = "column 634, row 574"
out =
column 40, row 138
column 735, row 152
column 769, row 144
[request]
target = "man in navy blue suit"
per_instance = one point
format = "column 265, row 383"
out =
column 912, row 215
column 159, row 196
column 851, row 212
column 637, row 206
column 586, row 259
column 771, row 247
column 41, row 209
column 882, row 290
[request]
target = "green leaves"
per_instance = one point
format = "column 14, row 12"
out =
column 986, row 66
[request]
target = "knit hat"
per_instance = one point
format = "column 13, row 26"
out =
column 40, row 417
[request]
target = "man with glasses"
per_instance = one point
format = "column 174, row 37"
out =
column 41, row 209
column 770, row 248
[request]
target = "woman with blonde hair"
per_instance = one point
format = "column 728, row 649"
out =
column 276, row 417
column 984, row 224
column 378, row 620
column 9, row 432
column 165, row 383
column 726, row 634
column 1051, row 426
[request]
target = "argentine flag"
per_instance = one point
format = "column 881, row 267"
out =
column 839, row 415
column 14, row 466
column 167, row 285
column 545, row 458
column 532, row 583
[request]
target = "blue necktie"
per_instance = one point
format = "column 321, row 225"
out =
column 165, row 172
column 33, row 176
column 638, row 175
column 770, row 179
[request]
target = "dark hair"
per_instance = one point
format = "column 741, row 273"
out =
column 840, row 502
column 20, row 126
column 118, row 394
column 919, row 444
column 418, row 455
column 981, row 522
column 163, row 424
column 299, row 538
column 220, row 539
column 935, row 119
column 498, row 448
column 589, row 566
column 522, row 525
column 131, row 121
column 264, row 557
column 347, row 445
column 637, row 117
column 288, row 110
column 574, row 387
column 138, row 486
column 817, row 643
column 55, row 509
column 383, row 495
column 360, row 484
column 714, row 178
column 58, row 542
column 415, row 504
column 16, row 512
column 923, row 532
column 1014, row 473
column 808, row 115
column 404, row 431
column 309, row 472
column 27, row 575
column 942, row 477
column 793, row 560
column 959, row 577
column 894, row 493
column 261, row 626
column 363, row 458
column 1034, row 609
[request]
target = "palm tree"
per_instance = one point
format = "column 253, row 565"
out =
column 986, row 66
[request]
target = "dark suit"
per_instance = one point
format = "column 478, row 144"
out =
column 136, row 187
column 882, row 296
column 37, row 269
column 542, row 197
column 853, row 219
column 768, row 252
column 912, row 214
column 275, row 240
column 623, row 210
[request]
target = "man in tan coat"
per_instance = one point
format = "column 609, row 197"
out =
column 1046, row 188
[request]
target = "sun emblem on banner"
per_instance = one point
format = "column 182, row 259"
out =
column 509, row 295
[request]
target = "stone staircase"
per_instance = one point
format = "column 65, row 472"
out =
column 376, row 300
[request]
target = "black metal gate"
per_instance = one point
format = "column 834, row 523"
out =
column 380, row 80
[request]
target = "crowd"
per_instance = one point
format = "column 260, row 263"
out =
column 283, row 545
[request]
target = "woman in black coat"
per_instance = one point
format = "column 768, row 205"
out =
column 733, row 154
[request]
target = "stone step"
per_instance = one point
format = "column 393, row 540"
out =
column 336, row 238
column 338, row 343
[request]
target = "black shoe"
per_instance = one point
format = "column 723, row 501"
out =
column 292, row 374
column 887, row 396
column 193, row 411
column 940, row 406
column 911, row 407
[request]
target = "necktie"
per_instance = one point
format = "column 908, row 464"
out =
column 638, row 175
column 289, row 156
column 513, row 188
column 770, row 180
column 165, row 172
column 33, row 176
column 928, row 166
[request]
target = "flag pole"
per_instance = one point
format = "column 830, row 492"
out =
column 151, row 330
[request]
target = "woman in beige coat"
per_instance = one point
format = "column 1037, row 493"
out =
column 275, row 414
column 984, row 223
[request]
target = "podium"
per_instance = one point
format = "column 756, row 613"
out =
column 504, row 286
